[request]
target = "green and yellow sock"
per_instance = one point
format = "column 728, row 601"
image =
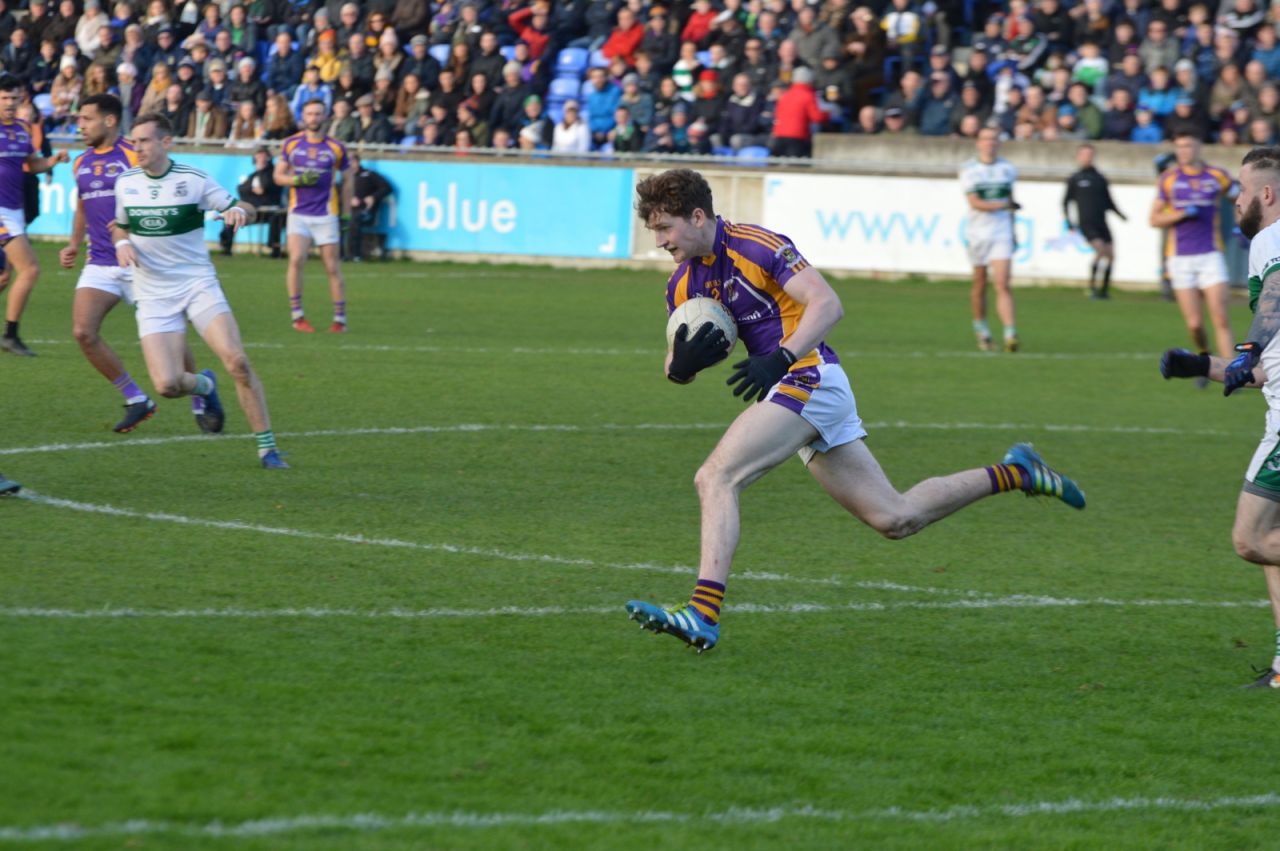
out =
column 707, row 598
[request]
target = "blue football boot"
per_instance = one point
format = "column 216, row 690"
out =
column 8, row 486
column 1044, row 480
column 273, row 461
column 211, row 421
column 682, row 622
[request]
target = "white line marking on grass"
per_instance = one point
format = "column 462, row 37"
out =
column 656, row 352
column 478, row 428
column 1014, row 601
column 394, row 543
column 369, row 822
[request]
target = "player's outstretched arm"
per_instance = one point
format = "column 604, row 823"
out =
column 39, row 165
column 1180, row 363
column 1266, row 324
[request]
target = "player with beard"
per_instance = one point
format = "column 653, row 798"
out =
column 103, row 281
column 309, row 165
column 1256, row 533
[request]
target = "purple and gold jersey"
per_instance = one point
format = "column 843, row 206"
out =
column 324, row 159
column 96, row 171
column 16, row 145
column 1202, row 187
column 748, row 273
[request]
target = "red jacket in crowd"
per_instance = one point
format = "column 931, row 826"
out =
column 624, row 43
column 535, row 38
column 796, row 113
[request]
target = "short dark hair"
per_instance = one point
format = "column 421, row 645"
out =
column 162, row 124
column 9, row 83
column 316, row 100
column 1187, row 134
column 1267, row 157
column 677, row 192
column 107, row 104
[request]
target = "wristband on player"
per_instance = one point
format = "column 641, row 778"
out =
column 242, row 210
column 123, row 242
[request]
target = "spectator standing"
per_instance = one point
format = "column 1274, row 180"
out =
column 794, row 116
column 369, row 192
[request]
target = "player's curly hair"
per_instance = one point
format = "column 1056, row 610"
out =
column 1266, row 157
column 677, row 192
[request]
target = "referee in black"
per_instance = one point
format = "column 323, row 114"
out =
column 1088, row 190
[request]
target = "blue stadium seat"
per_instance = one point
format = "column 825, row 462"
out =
column 585, row 89
column 439, row 52
column 753, row 152
column 722, row 152
column 598, row 59
column 704, row 58
column 409, row 141
column 571, row 62
column 555, row 111
column 44, row 103
column 508, row 51
column 563, row 88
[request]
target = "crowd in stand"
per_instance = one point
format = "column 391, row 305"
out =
column 668, row 76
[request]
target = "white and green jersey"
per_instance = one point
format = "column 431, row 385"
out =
column 991, row 182
column 165, row 219
column 1264, row 259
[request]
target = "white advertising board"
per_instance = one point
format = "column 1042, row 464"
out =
column 906, row 225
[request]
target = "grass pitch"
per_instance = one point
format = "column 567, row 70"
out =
column 415, row 638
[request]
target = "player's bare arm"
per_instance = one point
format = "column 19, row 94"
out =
column 67, row 256
column 125, row 255
column 283, row 173
column 822, row 310
column 39, row 165
column 1164, row 216
column 1266, row 322
column 978, row 203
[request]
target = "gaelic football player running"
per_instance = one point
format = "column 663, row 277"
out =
column 784, row 309
column 103, row 281
column 309, row 165
column 159, row 232
column 1256, row 534
column 17, row 149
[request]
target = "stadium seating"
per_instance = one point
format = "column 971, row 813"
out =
column 508, row 51
column 723, row 152
column 598, row 59
column 704, row 58
column 572, row 62
column 439, row 52
column 44, row 103
column 563, row 89
column 753, row 152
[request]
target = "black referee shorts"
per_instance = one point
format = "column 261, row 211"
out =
column 1095, row 230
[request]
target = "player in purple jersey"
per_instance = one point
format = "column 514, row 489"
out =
column 17, row 149
column 784, row 310
column 309, row 166
column 1188, row 200
column 103, row 281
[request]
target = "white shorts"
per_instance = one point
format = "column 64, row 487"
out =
column 822, row 396
column 117, row 280
column 200, row 302
column 1196, row 271
column 13, row 221
column 986, row 249
column 321, row 230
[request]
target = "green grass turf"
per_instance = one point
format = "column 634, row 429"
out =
column 850, row 711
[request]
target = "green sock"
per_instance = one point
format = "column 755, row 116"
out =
column 204, row 385
column 266, row 441
column 1276, row 660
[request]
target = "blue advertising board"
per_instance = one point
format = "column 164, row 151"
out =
column 465, row 207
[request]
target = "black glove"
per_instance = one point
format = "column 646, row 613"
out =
column 689, row 357
column 1180, row 363
column 1240, row 370
column 757, row 374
